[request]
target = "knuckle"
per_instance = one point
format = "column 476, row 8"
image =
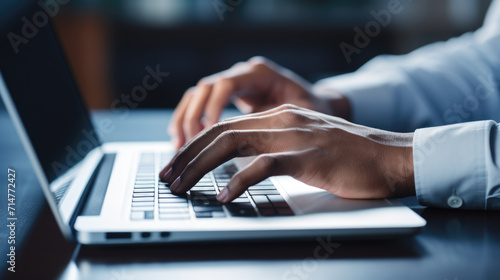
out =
column 258, row 59
column 239, row 179
column 220, row 127
column 229, row 136
column 259, row 62
column 176, row 163
column 193, row 165
column 269, row 162
column 189, row 92
column 217, row 129
column 293, row 116
column 288, row 107
column 238, row 64
column 204, row 82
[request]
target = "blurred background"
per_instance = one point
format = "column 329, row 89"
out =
column 110, row 43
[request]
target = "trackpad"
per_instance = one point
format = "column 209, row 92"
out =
column 313, row 200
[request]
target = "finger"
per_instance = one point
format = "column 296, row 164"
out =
column 175, row 128
column 264, row 166
column 247, row 79
column 194, row 114
column 227, row 146
column 276, row 120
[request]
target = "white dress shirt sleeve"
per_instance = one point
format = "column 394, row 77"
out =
column 456, row 81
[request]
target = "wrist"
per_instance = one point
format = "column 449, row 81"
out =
column 408, row 172
column 398, row 171
column 332, row 103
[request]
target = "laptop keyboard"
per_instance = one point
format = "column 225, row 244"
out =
column 262, row 199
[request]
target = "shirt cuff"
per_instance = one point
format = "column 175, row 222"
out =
column 449, row 165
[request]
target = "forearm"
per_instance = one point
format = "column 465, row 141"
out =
column 443, row 83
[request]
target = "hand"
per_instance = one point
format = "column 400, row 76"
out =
column 254, row 86
column 330, row 153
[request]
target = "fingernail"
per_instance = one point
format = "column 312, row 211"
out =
column 167, row 175
column 222, row 196
column 175, row 184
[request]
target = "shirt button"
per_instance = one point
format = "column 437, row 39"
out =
column 455, row 201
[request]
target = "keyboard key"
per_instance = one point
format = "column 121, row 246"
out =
column 141, row 182
column 264, row 192
column 218, row 214
column 137, row 216
column 145, row 169
column 137, row 199
column 174, row 210
column 241, row 209
column 164, row 191
column 145, row 190
column 205, row 184
column 206, row 178
column 207, row 208
column 168, row 195
column 174, row 216
column 203, row 214
column 149, row 215
column 284, row 211
column 140, row 204
column 136, row 187
column 206, row 202
column 172, row 205
column 261, row 201
column 152, row 194
column 241, row 200
column 172, row 200
column 267, row 212
column 144, row 208
column 243, row 212
column 255, row 188
column 203, row 192
column 223, row 180
column 196, row 188
column 146, row 177
column 278, row 201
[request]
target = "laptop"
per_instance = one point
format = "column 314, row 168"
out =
column 109, row 193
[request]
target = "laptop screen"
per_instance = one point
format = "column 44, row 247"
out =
column 42, row 89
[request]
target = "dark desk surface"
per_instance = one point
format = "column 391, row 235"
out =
column 454, row 245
